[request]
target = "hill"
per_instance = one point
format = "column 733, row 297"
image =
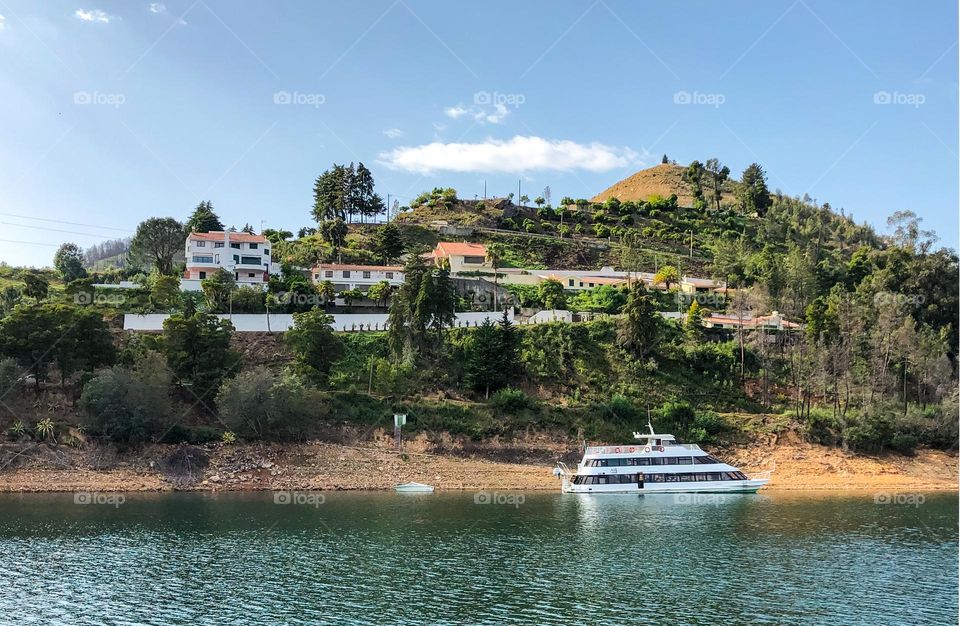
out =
column 662, row 180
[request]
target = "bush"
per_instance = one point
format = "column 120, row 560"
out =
column 512, row 400
column 129, row 404
column 259, row 404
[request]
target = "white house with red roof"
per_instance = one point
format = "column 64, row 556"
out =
column 463, row 257
column 245, row 255
column 362, row 277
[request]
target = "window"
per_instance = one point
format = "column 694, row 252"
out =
column 250, row 275
column 389, row 274
column 590, row 285
column 266, row 252
column 217, row 244
column 254, row 246
column 686, row 478
column 201, row 244
column 473, row 260
column 570, row 282
column 316, row 276
column 672, row 478
column 684, row 460
column 250, row 260
column 203, row 275
column 328, row 273
column 235, row 246
column 366, row 274
column 202, row 259
column 657, row 460
column 346, row 273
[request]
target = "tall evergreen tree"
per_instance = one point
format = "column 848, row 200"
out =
column 68, row 261
column 203, row 219
column 388, row 242
column 752, row 193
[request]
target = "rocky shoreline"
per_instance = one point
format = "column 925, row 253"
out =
column 373, row 465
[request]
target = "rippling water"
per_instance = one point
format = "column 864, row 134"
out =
column 384, row 558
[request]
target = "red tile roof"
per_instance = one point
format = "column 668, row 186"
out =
column 447, row 248
column 238, row 237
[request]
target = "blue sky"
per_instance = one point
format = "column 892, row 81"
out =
column 116, row 111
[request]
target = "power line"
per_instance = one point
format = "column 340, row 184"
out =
column 44, row 219
column 30, row 243
column 56, row 230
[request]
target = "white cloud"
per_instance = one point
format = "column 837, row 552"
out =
column 94, row 15
column 519, row 154
column 479, row 113
column 393, row 133
column 158, row 7
column 456, row 112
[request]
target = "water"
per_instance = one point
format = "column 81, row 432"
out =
column 385, row 558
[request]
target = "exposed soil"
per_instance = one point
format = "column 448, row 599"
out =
column 446, row 463
column 662, row 180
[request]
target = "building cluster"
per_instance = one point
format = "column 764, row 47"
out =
column 247, row 257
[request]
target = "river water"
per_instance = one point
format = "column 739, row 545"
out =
column 465, row 558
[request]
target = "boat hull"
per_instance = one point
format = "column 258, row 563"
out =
column 733, row 486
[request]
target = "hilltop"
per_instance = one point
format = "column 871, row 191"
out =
column 661, row 180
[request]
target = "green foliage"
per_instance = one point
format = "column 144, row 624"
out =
column 552, row 294
column 197, row 349
column 419, row 311
column 492, row 355
column 203, row 219
column 513, row 401
column 217, row 289
column 314, row 345
column 388, row 242
column 35, row 286
column 129, row 404
column 639, row 331
column 164, row 291
column 259, row 404
column 156, row 242
column 68, row 261
column 600, row 299
column 72, row 338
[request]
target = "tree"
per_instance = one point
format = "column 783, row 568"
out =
column 306, row 231
column 907, row 233
column 71, row 338
column 664, row 160
column 35, row 286
column 718, row 175
column 388, row 242
column 334, row 232
column 276, row 236
column 9, row 297
column 315, row 347
column 364, row 201
column 203, row 219
column 197, row 349
column 68, row 261
column 260, row 404
column 752, row 192
column 164, row 291
column 424, row 302
column 129, row 404
column 693, row 325
column 482, row 359
column 326, row 291
column 217, row 289
column 552, row 294
column 349, row 296
column 157, row 241
column 380, row 292
column 693, row 176
column 638, row 331
column 667, row 275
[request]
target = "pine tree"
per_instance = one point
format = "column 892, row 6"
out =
column 483, row 357
column 693, row 326
column 203, row 219
column 388, row 242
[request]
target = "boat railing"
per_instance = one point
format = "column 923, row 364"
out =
column 636, row 448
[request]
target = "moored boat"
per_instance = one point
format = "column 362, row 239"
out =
column 656, row 463
column 413, row 488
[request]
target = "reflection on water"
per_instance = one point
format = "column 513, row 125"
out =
column 375, row 558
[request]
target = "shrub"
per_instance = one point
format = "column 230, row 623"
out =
column 512, row 400
column 259, row 404
column 129, row 404
column 903, row 443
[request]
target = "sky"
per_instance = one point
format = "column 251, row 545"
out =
column 115, row 111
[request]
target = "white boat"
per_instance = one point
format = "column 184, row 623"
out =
column 656, row 463
column 413, row 488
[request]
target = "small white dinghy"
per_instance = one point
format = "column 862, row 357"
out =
column 413, row 488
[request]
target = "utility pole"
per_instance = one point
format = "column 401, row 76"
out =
column 518, row 191
column 484, row 189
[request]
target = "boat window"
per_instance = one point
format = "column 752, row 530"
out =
column 654, row 478
column 643, row 461
column 686, row 477
column 684, row 460
column 702, row 460
column 673, row 478
column 713, row 476
column 701, row 477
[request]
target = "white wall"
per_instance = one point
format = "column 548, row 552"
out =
column 279, row 322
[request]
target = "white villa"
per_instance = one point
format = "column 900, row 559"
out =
column 244, row 255
column 362, row 277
